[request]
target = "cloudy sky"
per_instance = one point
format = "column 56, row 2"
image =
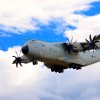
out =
column 51, row 21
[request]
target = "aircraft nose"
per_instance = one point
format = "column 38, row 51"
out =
column 25, row 49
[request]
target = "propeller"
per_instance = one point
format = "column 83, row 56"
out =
column 92, row 42
column 17, row 59
column 70, row 46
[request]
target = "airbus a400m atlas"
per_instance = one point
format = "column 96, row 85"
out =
column 60, row 56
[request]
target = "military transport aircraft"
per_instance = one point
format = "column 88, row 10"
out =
column 60, row 56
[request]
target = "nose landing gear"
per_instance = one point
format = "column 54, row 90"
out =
column 35, row 62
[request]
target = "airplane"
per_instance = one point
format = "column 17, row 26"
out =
column 62, row 55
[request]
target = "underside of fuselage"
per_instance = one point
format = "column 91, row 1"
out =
column 60, row 66
column 56, row 65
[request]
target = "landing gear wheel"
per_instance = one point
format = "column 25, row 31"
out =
column 75, row 66
column 35, row 62
column 52, row 69
column 78, row 67
column 58, row 69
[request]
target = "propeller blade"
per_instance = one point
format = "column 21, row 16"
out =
column 68, row 41
column 14, row 56
column 94, row 38
column 16, row 53
column 87, row 41
column 17, row 64
column 14, row 61
column 90, row 37
column 72, row 40
column 19, row 53
column 75, row 42
column 20, row 64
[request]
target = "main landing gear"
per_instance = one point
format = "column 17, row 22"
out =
column 75, row 66
column 57, row 68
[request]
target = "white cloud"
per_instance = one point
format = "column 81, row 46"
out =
column 37, row 82
column 84, row 26
column 91, row 94
column 17, row 14
column 11, row 77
